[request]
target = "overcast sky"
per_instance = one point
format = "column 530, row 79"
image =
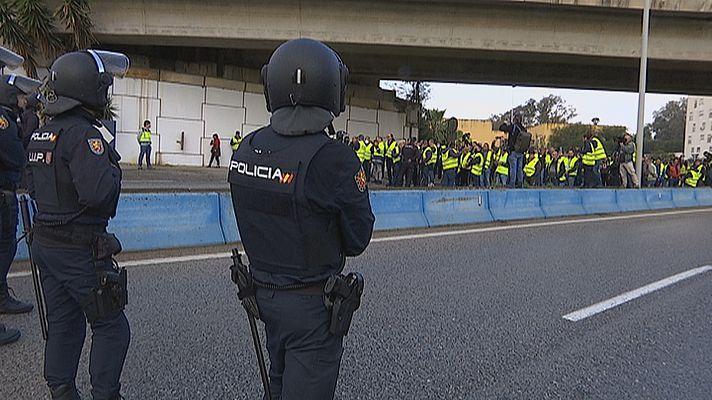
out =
column 481, row 101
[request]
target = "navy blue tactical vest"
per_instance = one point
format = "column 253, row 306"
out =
column 279, row 229
column 52, row 180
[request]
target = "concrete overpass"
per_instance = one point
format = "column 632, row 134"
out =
column 561, row 43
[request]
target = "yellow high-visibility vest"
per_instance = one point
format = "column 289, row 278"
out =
column 503, row 166
column 361, row 152
column 477, row 164
column 367, row 153
column 235, row 143
column 598, row 153
column 488, row 159
column 391, row 148
column 145, row 136
column 563, row 167
column 430, row 152
column 396, row 154
column 449, row 160
column 463, row 161
column 530, row 167
column 695, row 175
column 573, row 166
column 380, row 150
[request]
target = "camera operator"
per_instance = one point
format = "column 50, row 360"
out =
column 626, row 151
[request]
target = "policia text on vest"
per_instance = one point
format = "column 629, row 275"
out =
column 296, row 229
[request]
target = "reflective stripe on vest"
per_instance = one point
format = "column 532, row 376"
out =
column 598, row 153
column 430, row 151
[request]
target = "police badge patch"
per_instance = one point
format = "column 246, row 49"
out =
column 360, row 179
column 96, row 146
column 3, row 123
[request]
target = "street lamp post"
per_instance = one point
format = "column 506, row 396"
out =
column 641, row 92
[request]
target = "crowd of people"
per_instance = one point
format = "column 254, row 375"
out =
column 467, row 163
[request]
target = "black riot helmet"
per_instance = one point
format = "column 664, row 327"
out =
column 305, row 72
column 82, row 78
column 12, row 85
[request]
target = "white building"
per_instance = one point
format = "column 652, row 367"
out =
column 185, row 110
column 698, row 129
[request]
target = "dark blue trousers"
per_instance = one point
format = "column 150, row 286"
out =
column 68, row 277
column 304, row 356
column 8, row 236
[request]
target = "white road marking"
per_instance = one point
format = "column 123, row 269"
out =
column 213, row 256
column 633, row 294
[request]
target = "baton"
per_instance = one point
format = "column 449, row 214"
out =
column 251, row 308
column 39, row 294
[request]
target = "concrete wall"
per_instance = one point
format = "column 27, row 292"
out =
column 194, row 107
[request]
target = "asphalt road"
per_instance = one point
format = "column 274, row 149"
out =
column 468, row 316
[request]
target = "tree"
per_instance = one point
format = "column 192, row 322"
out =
column 28, row 28
column 571, row 136
column 549, row 110
column 434, row 126
column 668, row 127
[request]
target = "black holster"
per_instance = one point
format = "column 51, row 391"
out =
column 241, row 276
column 343, row 298
column 111, row 294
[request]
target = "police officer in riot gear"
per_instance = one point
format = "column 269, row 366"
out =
column 12, row 160
column 302, row 207
column 74, row 176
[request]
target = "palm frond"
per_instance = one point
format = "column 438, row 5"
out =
column 38, row 22
column 14, row 36
column 76, row 17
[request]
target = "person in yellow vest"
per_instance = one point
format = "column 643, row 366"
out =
column 562, row 169
column 487, row 167
column 430, row 158
column 532, row 167
column 463, row 166
column 367, row 156
column 694, row 175
column 477, row 165
column 397, row 158
column 235, row 141
column 379, row 154
column 144, row 141
column 450, row 159
column 502, row 171
column 593, row 156
column 391, row 152
column 572, row 173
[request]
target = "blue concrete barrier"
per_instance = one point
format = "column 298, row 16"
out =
column 597, row 201
column 456, row 207
column 157, row 221
column 561, row 203
column 515, row 204
column 658, row 198
column 703, row 196
column 227, row 219
column 398, row 210
column 631, row 200
column 682, row 198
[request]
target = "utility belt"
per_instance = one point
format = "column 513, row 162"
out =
column 342, row 294
column 110, row 294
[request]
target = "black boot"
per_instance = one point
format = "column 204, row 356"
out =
column 10, row 305
column 65, row 392
column 8, row 336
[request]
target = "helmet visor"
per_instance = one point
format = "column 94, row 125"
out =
column 116, row 64
column 24, row 84
column 10, row 59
